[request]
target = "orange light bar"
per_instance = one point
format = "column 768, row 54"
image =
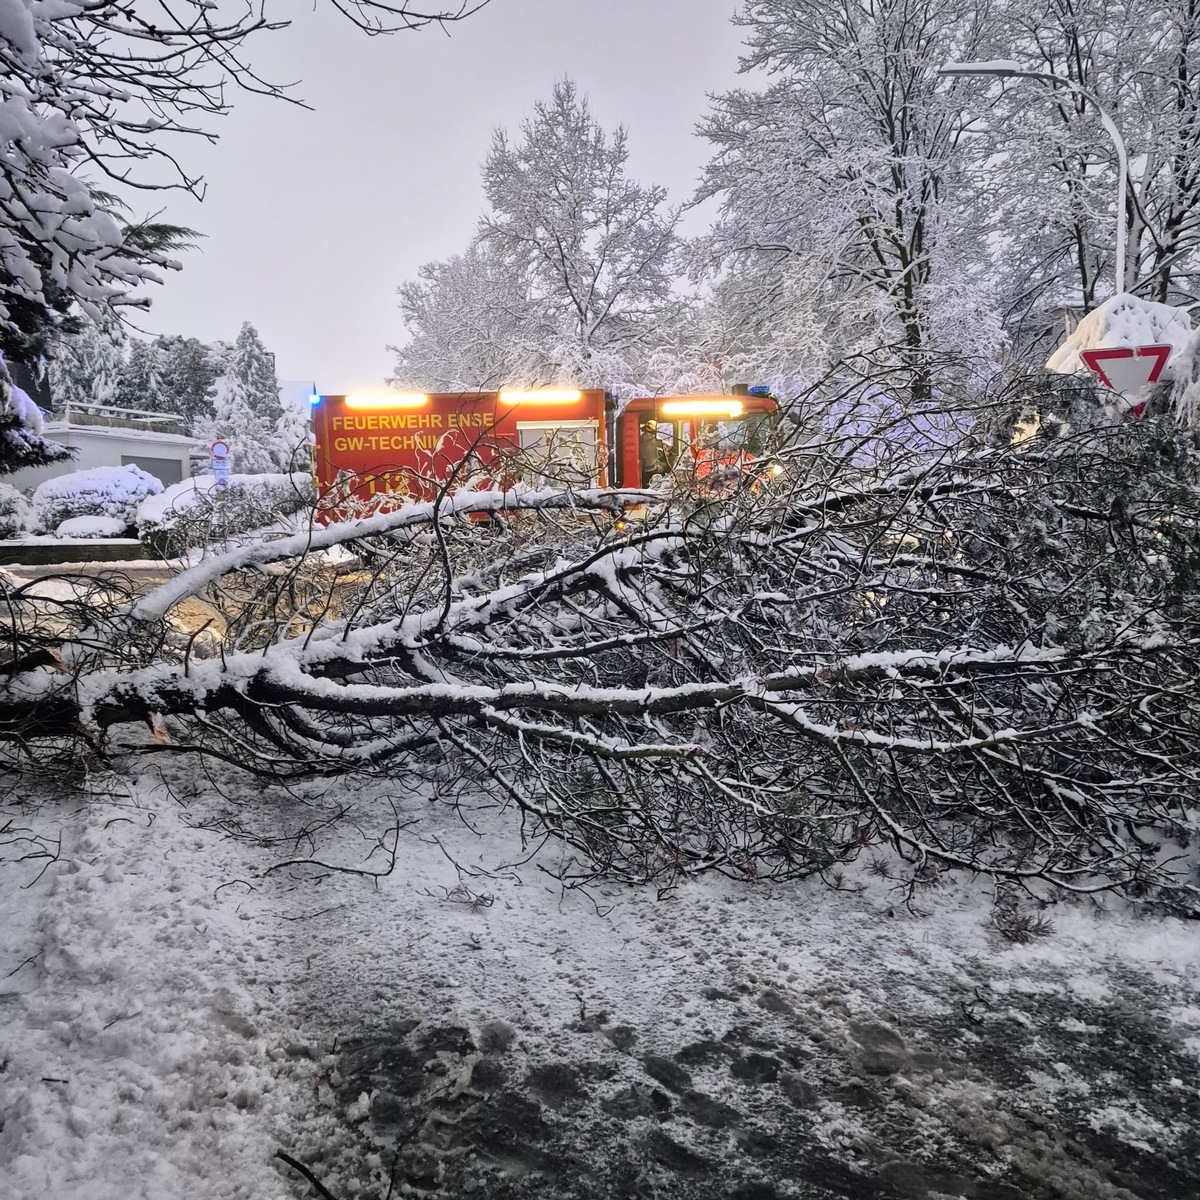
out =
column 543, row 396
column 703, row 406
column 393, row 400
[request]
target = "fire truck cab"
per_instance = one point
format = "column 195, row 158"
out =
column 696, row 435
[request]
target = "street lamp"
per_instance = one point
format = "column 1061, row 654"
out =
column 1007, row 69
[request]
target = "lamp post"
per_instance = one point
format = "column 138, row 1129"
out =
column 1007, row 69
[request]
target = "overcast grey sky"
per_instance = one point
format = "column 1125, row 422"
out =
column 314, row 218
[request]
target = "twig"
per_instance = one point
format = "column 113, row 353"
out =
column 299, row 1166
column 26, row 962
column 376, row 875
column 230, row 883
column 311, row 916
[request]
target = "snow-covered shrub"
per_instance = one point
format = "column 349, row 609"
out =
column 197, row 513
column 92, row 527
column 16, row 514
column 98, row 492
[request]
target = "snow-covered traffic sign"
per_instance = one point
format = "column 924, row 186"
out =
column 1128, row 370
column 219, row 460
column 1127, row 343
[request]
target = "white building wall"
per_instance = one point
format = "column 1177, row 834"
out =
column 99, row 446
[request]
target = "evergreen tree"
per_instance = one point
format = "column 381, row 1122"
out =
column 31, row 325
column 140, row 382
column 246, row 408
column 292, row 438
column 249, row 434
column 188, row 373
column 88, row 367
column 253, row 366
column 21, row 440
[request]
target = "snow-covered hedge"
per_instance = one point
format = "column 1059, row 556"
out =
column 98, row 492
column 16, row 514
column 197, row 513
column 91, row 527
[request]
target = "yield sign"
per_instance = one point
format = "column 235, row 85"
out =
column 1127, row 369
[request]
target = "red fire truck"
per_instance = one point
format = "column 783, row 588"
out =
column 412, row 444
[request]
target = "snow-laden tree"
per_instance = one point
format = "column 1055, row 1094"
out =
column 22, row 443
column 140, row 385
column 292, row 437
column 588, row 246
column 471, row 323
column 1164, row 217
column 979, row 659
column 188, row 371
column 246, row 406
column 569, row 279
column 1050, row 167
column 250, row 436
column 253, row 366
column 87, row 369
column 843, row 227
column 103, row 92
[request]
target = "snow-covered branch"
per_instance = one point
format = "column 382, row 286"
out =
column 987, row 658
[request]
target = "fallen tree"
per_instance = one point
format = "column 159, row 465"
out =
column 986, row 658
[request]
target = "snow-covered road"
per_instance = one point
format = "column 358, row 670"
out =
column 136, row 1043
column 173, row 1015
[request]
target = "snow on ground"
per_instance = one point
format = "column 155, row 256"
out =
column 133, row 1066
column 173, row 1012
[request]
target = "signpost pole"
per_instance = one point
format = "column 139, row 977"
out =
column 219, row 461
column 1007, row 69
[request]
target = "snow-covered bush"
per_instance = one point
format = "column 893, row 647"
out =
column 91, row 527
column 196, row 512
column 16, row 514
column 98, row 492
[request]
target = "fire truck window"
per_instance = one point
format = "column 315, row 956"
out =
column 749, row 434
column 560, row 455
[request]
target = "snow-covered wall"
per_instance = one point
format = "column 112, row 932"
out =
column 163, row 455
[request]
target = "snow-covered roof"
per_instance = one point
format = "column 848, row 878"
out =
column 69, row 433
